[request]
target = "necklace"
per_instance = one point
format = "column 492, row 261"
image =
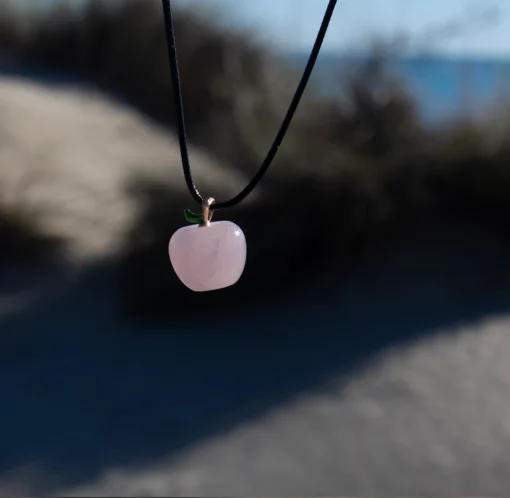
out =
column 205, row 255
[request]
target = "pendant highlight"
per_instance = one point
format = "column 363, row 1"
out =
column 208, row 256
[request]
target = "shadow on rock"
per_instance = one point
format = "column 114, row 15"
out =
column 82, row 393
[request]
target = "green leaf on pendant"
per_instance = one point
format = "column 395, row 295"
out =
column 193, row 218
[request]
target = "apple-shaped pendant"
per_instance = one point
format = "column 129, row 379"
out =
column 208, row 256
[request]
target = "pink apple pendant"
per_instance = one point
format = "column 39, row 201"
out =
column 208, row 256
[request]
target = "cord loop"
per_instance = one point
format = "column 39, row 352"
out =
column 181, row 127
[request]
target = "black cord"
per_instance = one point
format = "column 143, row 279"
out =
column 179, row 108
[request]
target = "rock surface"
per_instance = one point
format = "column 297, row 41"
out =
column 397, row 384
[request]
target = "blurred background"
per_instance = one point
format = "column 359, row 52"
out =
column 364, row 350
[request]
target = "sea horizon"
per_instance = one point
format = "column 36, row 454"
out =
column 443, row 84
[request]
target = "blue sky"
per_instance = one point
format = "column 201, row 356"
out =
column 292, row 24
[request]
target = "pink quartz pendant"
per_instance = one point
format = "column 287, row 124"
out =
column 208, row 256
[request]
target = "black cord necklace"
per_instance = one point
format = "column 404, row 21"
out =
column 215, row 258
